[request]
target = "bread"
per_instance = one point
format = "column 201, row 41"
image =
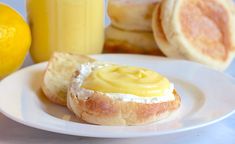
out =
column 99, row 108
column 133, row 15
column 197, row 30
column 102, row 110
column 120, row 41
column 161, row 39
column 59, row 85
column 58, row 75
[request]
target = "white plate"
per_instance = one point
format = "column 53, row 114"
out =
column 207, row 97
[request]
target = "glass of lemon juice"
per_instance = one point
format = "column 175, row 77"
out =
column 75, row 26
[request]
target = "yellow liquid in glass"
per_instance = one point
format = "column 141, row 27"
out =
column 75, row 26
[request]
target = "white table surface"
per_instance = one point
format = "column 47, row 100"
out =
column 14, row 133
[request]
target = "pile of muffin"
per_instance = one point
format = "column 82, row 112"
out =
column 198, row 30
column 130, row 30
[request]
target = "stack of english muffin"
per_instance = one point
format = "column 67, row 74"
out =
column 198, row 30
column 130, row 30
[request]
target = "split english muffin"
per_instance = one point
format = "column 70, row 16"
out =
column 133, row 15
column 120, row 41
column 108, row 94
column 197, row 30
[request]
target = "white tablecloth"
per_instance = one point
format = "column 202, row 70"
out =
column 14, row 133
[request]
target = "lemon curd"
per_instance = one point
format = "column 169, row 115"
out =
column 126, row 80
column 75, row 26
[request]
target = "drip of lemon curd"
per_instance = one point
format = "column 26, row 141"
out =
column 126, row 80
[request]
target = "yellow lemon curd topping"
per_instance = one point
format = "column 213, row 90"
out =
column 127, row 80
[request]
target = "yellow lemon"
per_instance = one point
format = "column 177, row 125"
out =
column 15, row 40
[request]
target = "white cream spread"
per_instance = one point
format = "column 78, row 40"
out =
column 83, row 94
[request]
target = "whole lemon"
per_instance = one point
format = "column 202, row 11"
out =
column 15, row 40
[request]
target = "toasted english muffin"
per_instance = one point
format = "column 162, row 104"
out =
column 197, row 30
column 58, row 75
column 120, row 41
column 105, row 108
column 133, row 15
column 102, row 110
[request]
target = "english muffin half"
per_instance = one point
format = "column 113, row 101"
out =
column 58, row 74
column 160, row 37
column 133, row 15
column 121, row 41
column 107, row 94
column 198, row 30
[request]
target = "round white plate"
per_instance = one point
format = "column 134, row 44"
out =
column 207, row 97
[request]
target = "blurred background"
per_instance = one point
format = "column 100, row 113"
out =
column 19, row 5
